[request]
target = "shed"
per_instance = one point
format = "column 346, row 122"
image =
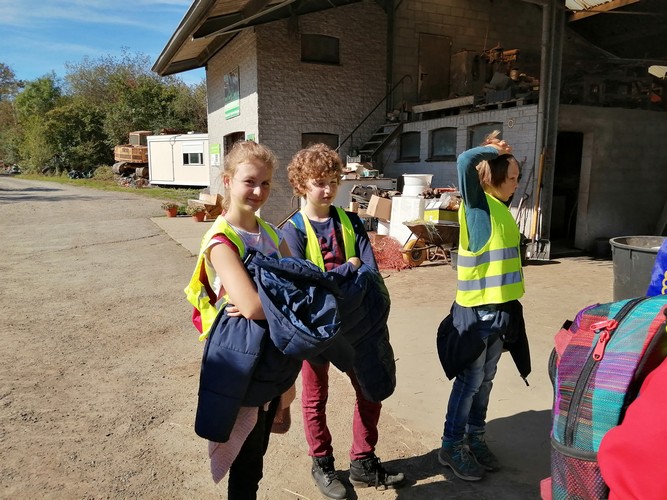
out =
column 179, row 160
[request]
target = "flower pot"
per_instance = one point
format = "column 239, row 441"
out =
column 199, row 216
column 172, row 212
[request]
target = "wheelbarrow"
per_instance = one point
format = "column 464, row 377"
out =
column 432, row 241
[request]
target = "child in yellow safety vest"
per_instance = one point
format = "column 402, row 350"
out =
column 336, row 241
column 220, row 280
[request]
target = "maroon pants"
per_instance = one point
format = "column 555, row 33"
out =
column 314, row 396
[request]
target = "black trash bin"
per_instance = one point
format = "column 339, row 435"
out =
column 634, row 258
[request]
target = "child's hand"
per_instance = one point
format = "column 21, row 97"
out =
column 355, row 261
column 233, row 311
column 499, row 144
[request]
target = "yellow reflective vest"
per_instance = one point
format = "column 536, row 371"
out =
column 199, row 291
column 493, row 274
column 313, row 250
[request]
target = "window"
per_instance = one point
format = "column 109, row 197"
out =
column 477, row 133
column 442, row 145
column 311, row 138
column 409, row 146
column 320, row 49
column 193, row 153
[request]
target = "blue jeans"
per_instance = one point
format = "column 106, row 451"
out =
column 469, row 399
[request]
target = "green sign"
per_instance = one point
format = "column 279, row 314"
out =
column 232, row 94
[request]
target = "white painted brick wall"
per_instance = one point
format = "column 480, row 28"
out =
column 241, row 53
column 521, row 135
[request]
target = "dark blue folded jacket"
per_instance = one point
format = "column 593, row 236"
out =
column 309, row 313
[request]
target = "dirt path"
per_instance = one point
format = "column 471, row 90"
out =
column 99, row 365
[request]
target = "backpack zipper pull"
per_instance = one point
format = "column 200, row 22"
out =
column 604, row 328
column 598, row 352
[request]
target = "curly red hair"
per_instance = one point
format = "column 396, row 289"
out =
column 314, row 162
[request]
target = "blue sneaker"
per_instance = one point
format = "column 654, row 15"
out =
column 457, row 456
column 481, row 452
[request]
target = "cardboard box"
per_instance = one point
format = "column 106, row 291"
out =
column 441, row 215
column 378, row 207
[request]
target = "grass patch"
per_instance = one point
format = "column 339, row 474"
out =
column 176, row 194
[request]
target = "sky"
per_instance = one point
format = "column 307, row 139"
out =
column 38, row 37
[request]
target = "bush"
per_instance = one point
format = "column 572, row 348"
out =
column 104, row 173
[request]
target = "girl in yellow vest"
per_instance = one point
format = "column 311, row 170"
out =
column 336, row 241
column 221, row 280
column 486, row 315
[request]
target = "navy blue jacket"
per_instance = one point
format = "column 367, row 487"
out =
column 249, row 363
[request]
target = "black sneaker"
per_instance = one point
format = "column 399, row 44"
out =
column 369, row 472
column 324, row 474
column 481, row 452
column 459, row 458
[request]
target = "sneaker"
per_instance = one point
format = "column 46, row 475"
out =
column 369, row 472
column 457, row 456
column 324, row 474
column 481, row 452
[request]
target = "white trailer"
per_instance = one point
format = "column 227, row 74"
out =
column 179, row 160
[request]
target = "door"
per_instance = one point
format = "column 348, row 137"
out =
column 434, row 62
column 567, row 171
column 231, row 139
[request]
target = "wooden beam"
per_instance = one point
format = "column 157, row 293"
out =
column 599, row 9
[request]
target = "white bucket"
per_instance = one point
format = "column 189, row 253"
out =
column 415, row 184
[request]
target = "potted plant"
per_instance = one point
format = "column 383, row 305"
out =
column 170, row 208
column 197, row 212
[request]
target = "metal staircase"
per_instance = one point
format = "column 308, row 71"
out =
column 379, row 140
column 382, row 136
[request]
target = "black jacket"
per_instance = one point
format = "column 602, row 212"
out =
column 459, row 343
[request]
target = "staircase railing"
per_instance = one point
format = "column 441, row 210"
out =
column 391, row 91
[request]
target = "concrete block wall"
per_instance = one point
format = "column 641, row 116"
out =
column 471, row 24
column 241, row 53
column 623, row 173
column 297, row 98
column 518, row 126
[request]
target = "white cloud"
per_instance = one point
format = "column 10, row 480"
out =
column 120, row 12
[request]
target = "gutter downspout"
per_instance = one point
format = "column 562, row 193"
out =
column 390, row 54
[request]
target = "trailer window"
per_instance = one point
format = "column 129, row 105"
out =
column 193, row 153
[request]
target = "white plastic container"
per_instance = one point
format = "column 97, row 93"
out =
column 415, row 184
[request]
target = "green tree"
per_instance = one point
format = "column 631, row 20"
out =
column 9, row 132
column 39, row 97
column 76, row 137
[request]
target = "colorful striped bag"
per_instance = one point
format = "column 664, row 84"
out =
column 597, row 367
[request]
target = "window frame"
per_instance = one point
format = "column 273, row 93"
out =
column 489, row 126
column 402, row 158
column 321, row 135
column 442, row 157
column 320, row 49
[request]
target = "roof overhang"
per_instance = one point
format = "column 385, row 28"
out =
column 209, row 25
column 625, row 29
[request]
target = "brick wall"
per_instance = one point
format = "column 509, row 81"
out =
column 518, row 126
column 470, row 24
column 281, row 97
